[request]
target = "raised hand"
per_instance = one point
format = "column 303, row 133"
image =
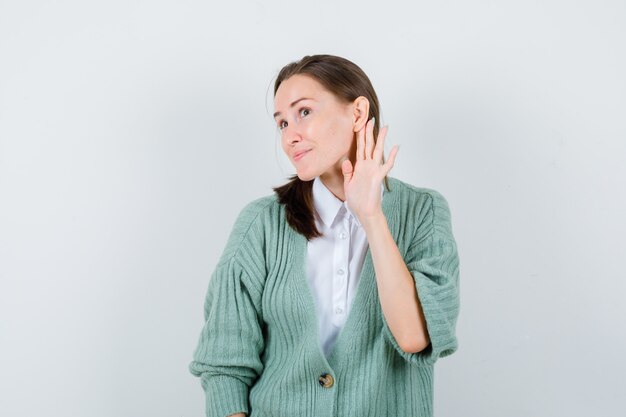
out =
column 362, row 183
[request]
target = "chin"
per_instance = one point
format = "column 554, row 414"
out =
column 306, row 176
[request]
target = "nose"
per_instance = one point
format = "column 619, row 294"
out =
column 292, row 134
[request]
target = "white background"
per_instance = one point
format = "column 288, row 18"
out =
column 133, row 132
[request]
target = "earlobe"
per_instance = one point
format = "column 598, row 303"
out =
column 361, row 112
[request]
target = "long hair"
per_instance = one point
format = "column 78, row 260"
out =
column 346, row 81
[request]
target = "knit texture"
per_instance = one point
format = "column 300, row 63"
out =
column 259, row 350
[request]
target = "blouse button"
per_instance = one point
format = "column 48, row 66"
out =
column 343, row 235
column 326, row 380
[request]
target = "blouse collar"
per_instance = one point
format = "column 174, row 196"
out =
column 328, row 206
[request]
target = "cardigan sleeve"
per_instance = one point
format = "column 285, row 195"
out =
column 228, row 355
column 227, row 358
column 433, row 261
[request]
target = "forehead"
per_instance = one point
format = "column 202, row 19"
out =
column 298, row 86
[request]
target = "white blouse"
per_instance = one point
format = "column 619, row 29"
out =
column 334, row 262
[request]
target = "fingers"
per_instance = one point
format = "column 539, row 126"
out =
column 392, row 159
column 369, row 138
column 360, row 144
column 380, row 144
column 366, row 148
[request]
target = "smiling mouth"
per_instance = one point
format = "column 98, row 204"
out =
column 300, row 155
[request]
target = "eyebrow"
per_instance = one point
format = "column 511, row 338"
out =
column 293, row 104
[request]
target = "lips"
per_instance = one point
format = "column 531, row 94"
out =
column 300, row 154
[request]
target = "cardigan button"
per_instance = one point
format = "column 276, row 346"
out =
column 326, row 380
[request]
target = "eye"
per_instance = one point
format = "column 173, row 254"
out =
column 301, row 111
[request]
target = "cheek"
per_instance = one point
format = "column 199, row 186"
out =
column 342, row 135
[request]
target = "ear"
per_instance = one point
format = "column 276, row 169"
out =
column 360, row 112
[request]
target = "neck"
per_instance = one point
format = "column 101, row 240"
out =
column 333, row 179
column 334, row 183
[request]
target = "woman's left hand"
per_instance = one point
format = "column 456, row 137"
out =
column 362, row 184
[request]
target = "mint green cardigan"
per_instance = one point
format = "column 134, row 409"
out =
column 259, row 350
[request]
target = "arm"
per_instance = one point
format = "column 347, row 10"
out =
column 228, row 355
column 433, row 262
column 227, row 358
column 396, row 288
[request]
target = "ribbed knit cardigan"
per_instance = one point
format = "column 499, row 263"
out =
column 259, row 350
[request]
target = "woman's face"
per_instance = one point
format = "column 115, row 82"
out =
column 312, row 119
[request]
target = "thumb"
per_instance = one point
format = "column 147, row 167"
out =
column 346, row 169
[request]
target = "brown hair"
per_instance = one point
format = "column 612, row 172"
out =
column 346, row 81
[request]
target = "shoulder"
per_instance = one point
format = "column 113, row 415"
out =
column 247, row 233
column 427, row 206
column 428, row 198
column 252, row 212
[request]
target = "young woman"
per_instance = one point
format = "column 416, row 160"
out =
column 335, row 295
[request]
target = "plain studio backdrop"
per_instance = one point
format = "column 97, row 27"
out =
column 133, row 132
